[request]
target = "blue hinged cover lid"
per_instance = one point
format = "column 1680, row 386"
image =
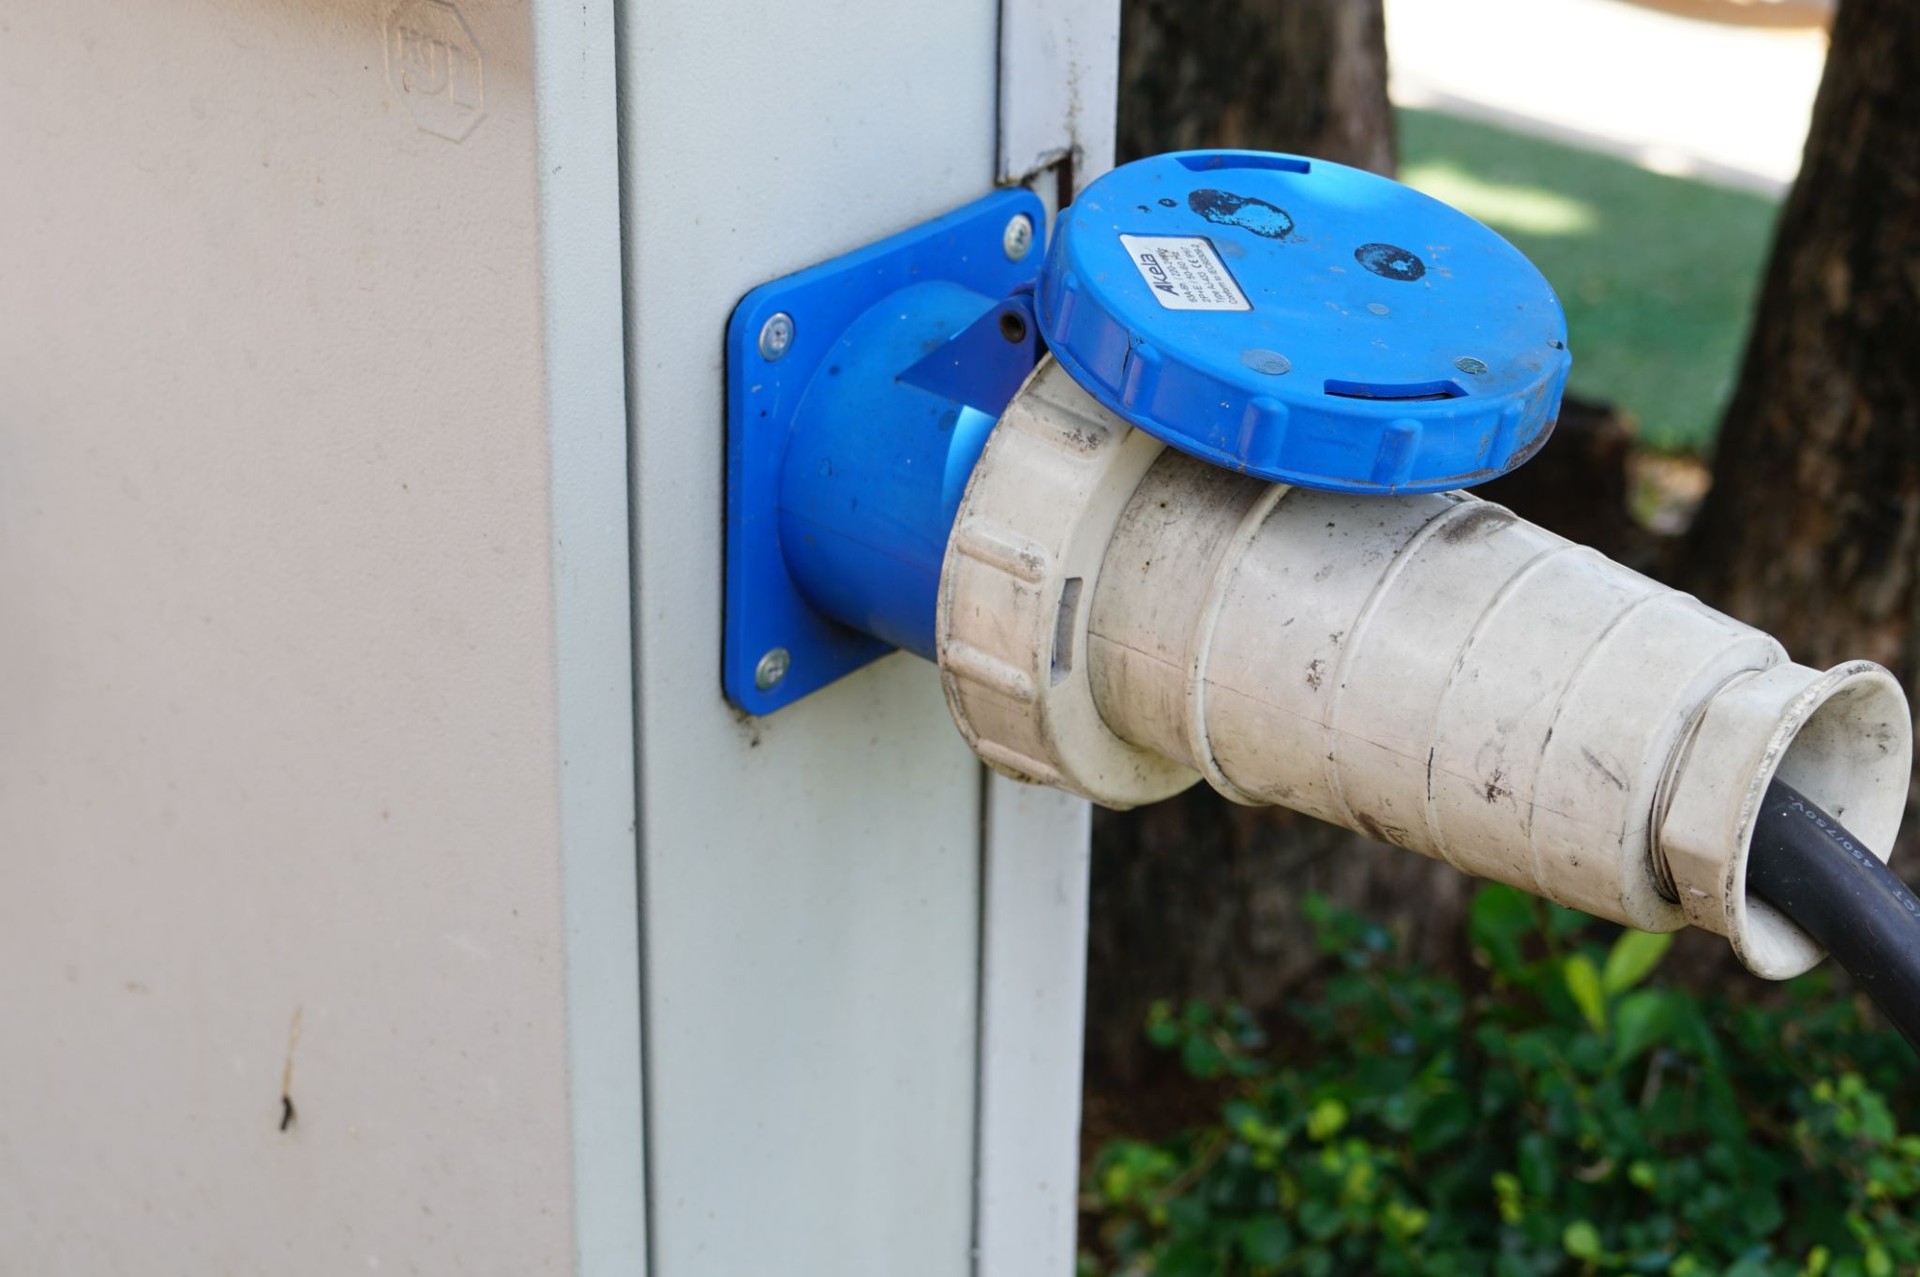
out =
column 1305, row 322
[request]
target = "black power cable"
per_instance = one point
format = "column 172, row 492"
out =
column 1806, row 865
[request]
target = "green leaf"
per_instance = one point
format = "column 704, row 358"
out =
column 1498, row 921
column 1632, row 959
column 1320, row 1219
column 1265, row 1241
column 1562, row 922
column 1202, row 1057
column 1582, row 1240
column 1443, row 1120
column 1583, row 984
column 1876, row 1119
column 1642, row 1019
column 1162, row 1030
column 1328, row 1116
column 1406, row 1221
column 1188, row 1257
column 1507, row 1193
column 1539, row 1168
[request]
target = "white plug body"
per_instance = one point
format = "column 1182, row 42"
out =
column 1432, row 671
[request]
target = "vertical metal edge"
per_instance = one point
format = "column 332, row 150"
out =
column 1033, row 969
column 576, row 93
column 810, row 880
column 1059, row 72
column 1059, row 63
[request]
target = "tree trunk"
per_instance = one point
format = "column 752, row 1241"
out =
column 1307, row 76
column 1197, row 897
column 1812, row 527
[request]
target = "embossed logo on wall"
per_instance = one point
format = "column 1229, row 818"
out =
column 436, row 66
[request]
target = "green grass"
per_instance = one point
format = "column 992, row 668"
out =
column 1658, row 274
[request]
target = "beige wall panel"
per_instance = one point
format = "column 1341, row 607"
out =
column 278, row 780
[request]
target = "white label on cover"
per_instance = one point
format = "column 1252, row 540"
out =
column 1184, row 272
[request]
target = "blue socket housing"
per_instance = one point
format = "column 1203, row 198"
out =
column 848, row 450
column 1305, row 322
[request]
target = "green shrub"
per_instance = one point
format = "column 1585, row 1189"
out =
column 1575, row 1116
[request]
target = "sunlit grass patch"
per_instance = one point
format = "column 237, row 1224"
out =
column 1657, row 273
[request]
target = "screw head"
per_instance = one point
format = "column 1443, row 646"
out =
column 1017, row 239
column 776, row 336
column 1469, row 365
column 772, row 668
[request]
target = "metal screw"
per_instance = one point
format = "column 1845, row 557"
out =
column 1469, row 365
column 1376, row 308
column 772, row 668
column 1017, row 239
column 776, row 336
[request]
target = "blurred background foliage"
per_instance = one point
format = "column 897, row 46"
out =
column 1567, row 1111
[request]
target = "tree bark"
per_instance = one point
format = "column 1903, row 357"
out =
column 1812, row 527
column 1304, row 76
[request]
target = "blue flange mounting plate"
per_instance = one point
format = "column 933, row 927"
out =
column 770, row 628
column 1305, row 322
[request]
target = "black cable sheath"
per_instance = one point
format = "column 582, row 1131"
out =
column 1806, row 865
